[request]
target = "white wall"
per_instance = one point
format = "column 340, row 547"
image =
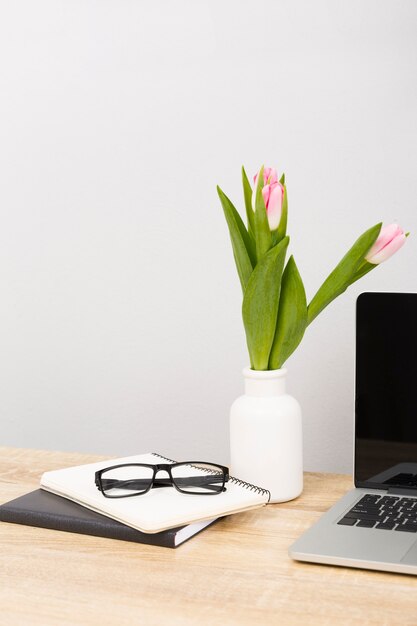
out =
column 120, row 326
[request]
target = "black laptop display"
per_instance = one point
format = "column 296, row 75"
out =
column 386, row 392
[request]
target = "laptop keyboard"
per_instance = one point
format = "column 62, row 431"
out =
column 384, row 512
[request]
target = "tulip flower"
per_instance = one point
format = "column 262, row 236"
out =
column 273, row 195
column 275, row 308
column 389, row 240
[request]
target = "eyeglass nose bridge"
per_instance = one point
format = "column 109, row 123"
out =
column 162, row 467
column 162, row 481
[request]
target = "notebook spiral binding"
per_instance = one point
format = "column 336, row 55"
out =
column 254, row 488
column 232, row 479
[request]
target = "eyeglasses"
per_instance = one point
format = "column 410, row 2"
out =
column 191, row 477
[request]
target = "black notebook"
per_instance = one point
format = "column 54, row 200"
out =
column 46, row 510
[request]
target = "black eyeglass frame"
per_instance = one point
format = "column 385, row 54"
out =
column 162, row 482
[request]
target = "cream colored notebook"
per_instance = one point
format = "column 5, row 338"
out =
column 157, row 510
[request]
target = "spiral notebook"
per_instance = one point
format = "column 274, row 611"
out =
column 157, row 510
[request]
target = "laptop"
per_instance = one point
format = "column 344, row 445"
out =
column 374, row 526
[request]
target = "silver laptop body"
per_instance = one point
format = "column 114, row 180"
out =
column 374, row 526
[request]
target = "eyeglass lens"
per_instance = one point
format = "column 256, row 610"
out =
column 198, row 478
column 129, row 480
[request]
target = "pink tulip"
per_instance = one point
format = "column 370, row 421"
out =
column 389, row 240
column 273, row 194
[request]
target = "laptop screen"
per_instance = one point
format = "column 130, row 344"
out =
column 386, row 391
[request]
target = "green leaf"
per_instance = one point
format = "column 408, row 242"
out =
column 292, row 316
column 343, row 274
column 260, row 304
column 247, row 194
column 243, row 245
column 282, row 226
column 262, row 232
column 282, row 179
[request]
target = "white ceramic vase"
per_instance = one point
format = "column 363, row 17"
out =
column 266, row 435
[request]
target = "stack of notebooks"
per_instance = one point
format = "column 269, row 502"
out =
column 70, row 501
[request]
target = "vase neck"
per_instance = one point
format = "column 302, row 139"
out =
column 268, row 383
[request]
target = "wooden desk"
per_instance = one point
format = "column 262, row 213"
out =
column 237, row 572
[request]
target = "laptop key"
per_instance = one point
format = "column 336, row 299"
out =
column 385, row 525
column 366, row 516
column 408, row 528
column 347, row 521
column 366, row 523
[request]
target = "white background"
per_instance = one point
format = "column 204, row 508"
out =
column 120, row 327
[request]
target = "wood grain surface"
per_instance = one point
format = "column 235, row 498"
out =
column 236, row 572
